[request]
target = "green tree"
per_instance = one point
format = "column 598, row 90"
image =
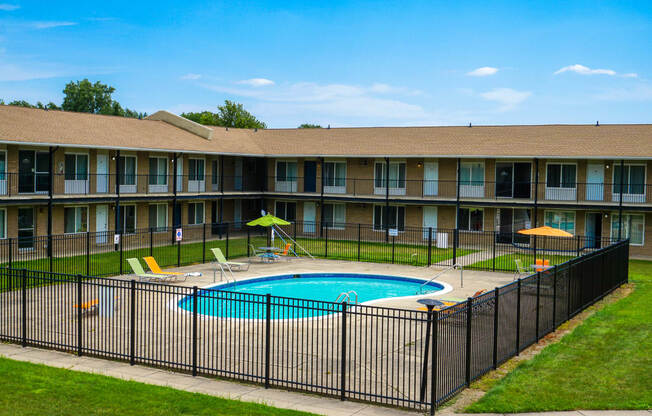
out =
column 230, row 114
column 85, row 97
column 309, row 126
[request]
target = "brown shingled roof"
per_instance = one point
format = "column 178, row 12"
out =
column 576, row 141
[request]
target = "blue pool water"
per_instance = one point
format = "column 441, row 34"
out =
column 299, row 296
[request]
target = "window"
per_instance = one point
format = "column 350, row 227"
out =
column 334, row 215
column 564, row 220
column 561, row 176
column 334, row 173
column 471, row 219
column 396, row 216
column 26, row 228
column 75, row 220
column 286, row 171
column 3, row 165
column 158, row 217
column 633, row 179
column 633, row 228
column 127, row 219
column 195, row 169
column 196, row 213
column 3, row 223
column 286, row 210
column 158, row 171
column 76, row 167
column 472, row 173
column 215, row 173
column 396, row 174
column 127, row 173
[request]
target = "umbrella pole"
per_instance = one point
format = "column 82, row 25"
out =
column 280, row 231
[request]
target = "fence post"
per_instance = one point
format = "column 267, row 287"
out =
column 393, row 247
column 433, row 371
column 554, row 299
column 538, row 313
column 495, row 352
column 178, row 253
column 151, row 241
column 249, row 242
column 429, row 246
column 227, row 240
column 268, row 335
column 194, row 331
column 518, row 317
column 455, row 235
column 203, row 245
column 23, row 325
column 569, row 279
column 79, row 315
column 88, row 254
column 358, row 241
column 294, row 248
column 469, row 317
column 493, row 250
column 326, row 242
column 120, row 246
column 132, row 338
column 343, row 355
column 9, row 240
column 578, row 245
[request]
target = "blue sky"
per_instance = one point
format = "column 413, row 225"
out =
column 342, row 63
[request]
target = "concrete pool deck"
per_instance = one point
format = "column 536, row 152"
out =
column 473, row 281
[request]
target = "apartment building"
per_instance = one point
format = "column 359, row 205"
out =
column 66, row 173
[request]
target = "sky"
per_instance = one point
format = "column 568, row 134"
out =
column 376, row 63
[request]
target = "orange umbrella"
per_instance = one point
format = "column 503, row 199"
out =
column 546, row 232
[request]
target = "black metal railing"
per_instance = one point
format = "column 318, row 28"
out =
column 396, row 357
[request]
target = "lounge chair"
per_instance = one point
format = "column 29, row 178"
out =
column 521, row 270
column 156, row 269
column 140, row 273
column 286, row 252
column 88, row 307
column 232, row 265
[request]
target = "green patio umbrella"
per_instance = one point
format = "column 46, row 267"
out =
column 267, row 221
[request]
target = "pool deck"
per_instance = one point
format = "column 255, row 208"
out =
column 473, row 281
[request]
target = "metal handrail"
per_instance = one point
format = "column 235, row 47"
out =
column 346, row 296
column 223, row 273
column 453, row 267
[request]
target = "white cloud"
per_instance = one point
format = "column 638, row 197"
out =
column 630, row 75
column 52, row 24
column 9, row 7
column 641, row 92
column 507, row 97
column 482, row 71
column 191, row 76
column 11, row 72
column 584, row 70
column 256, row 82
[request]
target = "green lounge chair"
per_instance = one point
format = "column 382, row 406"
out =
column 233, row 265
column 137, row 268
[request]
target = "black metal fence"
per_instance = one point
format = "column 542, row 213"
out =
column 359, row 352
column 101, row 254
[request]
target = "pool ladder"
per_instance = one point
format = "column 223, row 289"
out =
column 346, row 297
column 421, row 291
column 223, row 273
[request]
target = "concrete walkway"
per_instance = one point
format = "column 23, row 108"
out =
column 244, row 392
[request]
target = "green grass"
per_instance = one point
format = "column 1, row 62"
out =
column 35, row 389
column 506, row 262
column 605, row 363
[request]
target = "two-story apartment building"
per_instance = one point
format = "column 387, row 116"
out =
column 66, row 173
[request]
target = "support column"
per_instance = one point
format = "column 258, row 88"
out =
column 118, row 227
column 536, row 202
column 321, row 197
column 620, row 200
column 456, row 232
column 386, row 210
column 50, row 195
column 175, row 181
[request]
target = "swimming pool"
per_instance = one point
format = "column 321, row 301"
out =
column 300, row 295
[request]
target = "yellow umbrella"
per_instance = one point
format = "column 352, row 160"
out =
column 546, row 232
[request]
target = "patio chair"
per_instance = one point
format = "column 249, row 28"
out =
column 156, row 269
column 286, row 252
column 140, row 273
column 232, row 265
column 520, row 269
column 264, row 256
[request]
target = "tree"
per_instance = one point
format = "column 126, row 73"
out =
column 309, row 126
column 230, row 114
column 84, row 97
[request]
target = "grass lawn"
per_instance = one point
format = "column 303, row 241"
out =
column 34, row 389
column 605, row 363
column 506, row 262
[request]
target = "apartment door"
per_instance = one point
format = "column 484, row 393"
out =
column 237, row 180
column 504, row 180
column 309, row 212
column 102, row 173
column 594, row 182
column 505, row 219
column 430, row 175
column 180, row 174
column 429, row 221
column 101, row 223
column 522, row 180
column 593, row 229
column 237, row 213
column 309, row 176
column 26, row 228
column 33, row 171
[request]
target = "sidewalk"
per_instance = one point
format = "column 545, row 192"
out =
column 232, row 390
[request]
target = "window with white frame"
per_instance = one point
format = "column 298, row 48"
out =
column 334, row 215
column 127, row 173
column 196, row 213
column 472, row 173
column 75, row 220
column 335, row 174
column 286, row 210
column 3, row 223
column 286, row 171
column 127, row 219
column 396, row 175
column 563, row 220
column 395, row 217
column 633, row 228
column 561, row 175
column 195, row 169
column 215, row 172
column 471, row 219
column 633, row 179
column 76, row 167
column 158, row 171
column 158, row 217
